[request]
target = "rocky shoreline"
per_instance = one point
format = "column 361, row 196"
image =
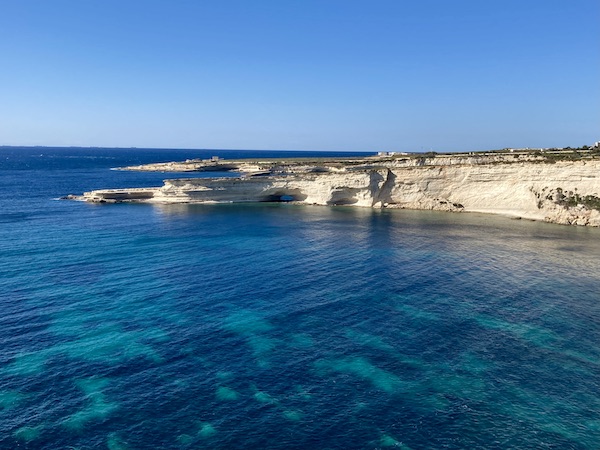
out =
column 526, row 185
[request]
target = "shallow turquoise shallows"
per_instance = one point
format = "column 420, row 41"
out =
column 277, row 326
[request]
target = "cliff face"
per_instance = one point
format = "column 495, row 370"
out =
column 564, row 192
column 529, row 190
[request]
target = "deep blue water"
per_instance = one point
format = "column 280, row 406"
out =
column 277, row 326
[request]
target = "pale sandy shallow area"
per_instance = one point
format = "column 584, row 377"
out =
column 512, row 213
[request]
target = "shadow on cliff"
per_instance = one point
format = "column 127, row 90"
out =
column 381, row 188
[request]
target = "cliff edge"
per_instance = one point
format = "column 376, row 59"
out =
column 563, row 191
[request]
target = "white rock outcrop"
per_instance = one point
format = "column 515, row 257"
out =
column 564, row 192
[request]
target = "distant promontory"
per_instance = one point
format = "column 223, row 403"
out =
column 552, row 185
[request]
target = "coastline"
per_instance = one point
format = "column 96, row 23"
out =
column 515, row 185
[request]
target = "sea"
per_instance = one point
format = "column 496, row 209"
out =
column 283, row 326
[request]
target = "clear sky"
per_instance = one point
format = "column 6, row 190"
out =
column 403, row 75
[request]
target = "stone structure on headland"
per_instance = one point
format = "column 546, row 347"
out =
column 554, row 186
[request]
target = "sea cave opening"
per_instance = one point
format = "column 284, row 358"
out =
column 283, row 197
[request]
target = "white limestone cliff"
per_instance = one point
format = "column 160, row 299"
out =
column 563, row 192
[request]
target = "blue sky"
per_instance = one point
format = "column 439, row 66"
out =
column 300, row 74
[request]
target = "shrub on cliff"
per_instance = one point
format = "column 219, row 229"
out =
column 571, row 200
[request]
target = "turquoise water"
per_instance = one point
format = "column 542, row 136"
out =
column 276, row 326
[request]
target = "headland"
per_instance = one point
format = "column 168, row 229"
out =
column 553, row 185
